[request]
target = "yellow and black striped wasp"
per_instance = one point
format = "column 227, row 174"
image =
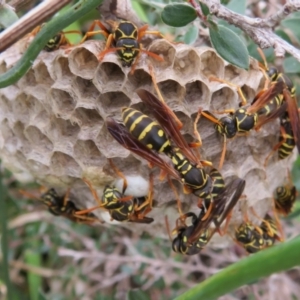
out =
column 62, row 206
column 192, row 239
column 123, row 38
column 285, row 197
column 57, row 41
column 243, row 119
column 120, row 207
column 255, row 238
column 290, row 121
column 289, row 125
column 143, row 135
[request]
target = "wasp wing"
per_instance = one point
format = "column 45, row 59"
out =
column 264, row 97
column 293, row 112
column 230, row 195
column 163, row 114
column 123, row 137
column 263, row 119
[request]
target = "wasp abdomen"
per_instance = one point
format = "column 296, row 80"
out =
column 287, row 138
column 146, row 130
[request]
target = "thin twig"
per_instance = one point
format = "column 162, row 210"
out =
column 35, row 17
column 260, row 30
column 168, row 263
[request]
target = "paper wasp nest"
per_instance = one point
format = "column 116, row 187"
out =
column 52, row 123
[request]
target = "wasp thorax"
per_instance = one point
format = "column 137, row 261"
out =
column 227, row 126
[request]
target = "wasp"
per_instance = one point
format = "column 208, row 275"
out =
column 274, row 75
column 62, row 206
column 192, row 239
column 125, row 39
column 243, row 119
column 285, row 197
column 57, row 41
column 290, row 121
column 144, row 135
column 180, row 243
column 120, row 207
column 256, row 238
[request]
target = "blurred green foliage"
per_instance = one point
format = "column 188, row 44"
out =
column 37, row 243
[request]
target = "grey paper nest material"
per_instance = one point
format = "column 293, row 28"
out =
column 52, row 122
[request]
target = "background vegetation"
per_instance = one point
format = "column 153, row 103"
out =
column 51, row 258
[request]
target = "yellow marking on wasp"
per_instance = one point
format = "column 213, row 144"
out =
column 165, row 145
column 136, row 122
column 160, row 132
column 130, row 114
column 146, row 130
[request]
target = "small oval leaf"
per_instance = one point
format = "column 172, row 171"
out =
column 238, row 6
column 178, row 15
column 191, row 35
column 7, row 16
column 205, row 9
column 229, row 46
column 291, row 65
column 293, row 25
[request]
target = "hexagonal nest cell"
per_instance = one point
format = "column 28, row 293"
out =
column 52, row 123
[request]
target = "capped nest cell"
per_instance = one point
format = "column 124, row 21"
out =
column 52, row 125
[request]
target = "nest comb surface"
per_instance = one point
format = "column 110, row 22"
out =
column 52, row 124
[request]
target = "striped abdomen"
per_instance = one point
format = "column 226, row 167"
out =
column 194, row 177
column 272, row 106
column 146, row 130
column 286, row 136
column 285, row 198
column 218, row 183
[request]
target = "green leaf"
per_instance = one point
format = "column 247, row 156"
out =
column 205, row 9
column 138, row 295
column 191, row 35
column 296, row 173
column 178, row 15
column 7, row 16
column 4, row 240
column 238, row 6
column 139, row 9
column 247, row 270
column 291, row 65
column 229, row 46
column 283, row 35
column 293, row 25
column 34, row 280
column 47, row 32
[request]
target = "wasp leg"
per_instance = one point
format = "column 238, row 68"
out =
column 225, row 111
column 277, row 146
column 93, row 191
column 152, row 74
column 120, row 174
column 168, row 229
column 87, row 219
column 140, row 50
column 66, row 198
column 196, row 132
column 143, row 31
column 238, row 88
column 91, row 31
column 65, row 43
column 177, row 197
column 147, row 203
column 208, row 212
